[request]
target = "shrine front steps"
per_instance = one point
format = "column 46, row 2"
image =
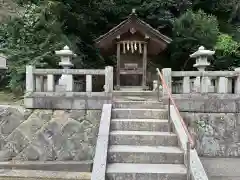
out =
column 129, row 171
column 145, row 154
column 126, row 113
column 140, row 146
column 150, row 104
column 143, row 138
column 139, row 125
column 135, row 93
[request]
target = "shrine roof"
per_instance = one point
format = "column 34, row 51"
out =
column 132, row 22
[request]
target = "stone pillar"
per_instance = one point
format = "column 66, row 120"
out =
column 88, row 83
column 29, row 79
column 65, row 82
column 50, row 83
column 39, row 84
column 222, row 85
column 205, row 84
column 167, row 76
column 197, row 85
column 237, row 82
column 69, row 83
column 108, row 79
column 186, row 85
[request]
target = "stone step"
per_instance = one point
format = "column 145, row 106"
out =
column 143, row 138
column 139, row 113
column 139, row 104
column 137, row 98
column 139, row 125
column 128, row 171
column 145, row 154
column 134, row 93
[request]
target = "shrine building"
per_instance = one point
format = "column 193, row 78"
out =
column 133, row 41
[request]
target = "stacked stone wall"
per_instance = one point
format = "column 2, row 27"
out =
column 214, row 121
column 48, row 135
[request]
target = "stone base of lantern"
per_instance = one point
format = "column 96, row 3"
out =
column 60, row 88
column 211, row 89
column 65, row 83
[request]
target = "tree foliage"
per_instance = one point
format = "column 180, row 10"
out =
column 46, row 26
column 227, row 53
column 30, row 39
column 189, row 31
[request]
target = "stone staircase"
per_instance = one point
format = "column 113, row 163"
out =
column 140, row 146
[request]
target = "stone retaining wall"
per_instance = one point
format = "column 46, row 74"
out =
column 216, row 134
column 208, row 103
column 214, row 121
column 48, row 135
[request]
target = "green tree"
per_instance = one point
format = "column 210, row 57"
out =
column 30, row 39
column 49, row 25
column 191, row 30
column 227, row 53
column 227, row 13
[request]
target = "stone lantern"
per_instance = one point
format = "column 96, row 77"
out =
column 65, row 82
column 202, row 58
column 202, row 85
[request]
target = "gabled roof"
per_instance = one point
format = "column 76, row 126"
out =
column 138, row 24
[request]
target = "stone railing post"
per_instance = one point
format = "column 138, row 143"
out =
column 222, row 85
column 167, row 76
column 69, row 83
column 237, row 82
column 29, row 79
column 206, row 85
column 50, row 83
column 39, row 83
column 108, row 79
column 186, row 85
column 88, row 83
column 197, row 85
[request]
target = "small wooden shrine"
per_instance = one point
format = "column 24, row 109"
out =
column 133, row 41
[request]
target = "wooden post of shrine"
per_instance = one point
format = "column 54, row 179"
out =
column 144, row 75
column 118, row 65
column 144, row 78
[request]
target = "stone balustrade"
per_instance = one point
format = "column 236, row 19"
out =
column 227, row 82
column 42, row 80
column 45, row 90
column 202, row 81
